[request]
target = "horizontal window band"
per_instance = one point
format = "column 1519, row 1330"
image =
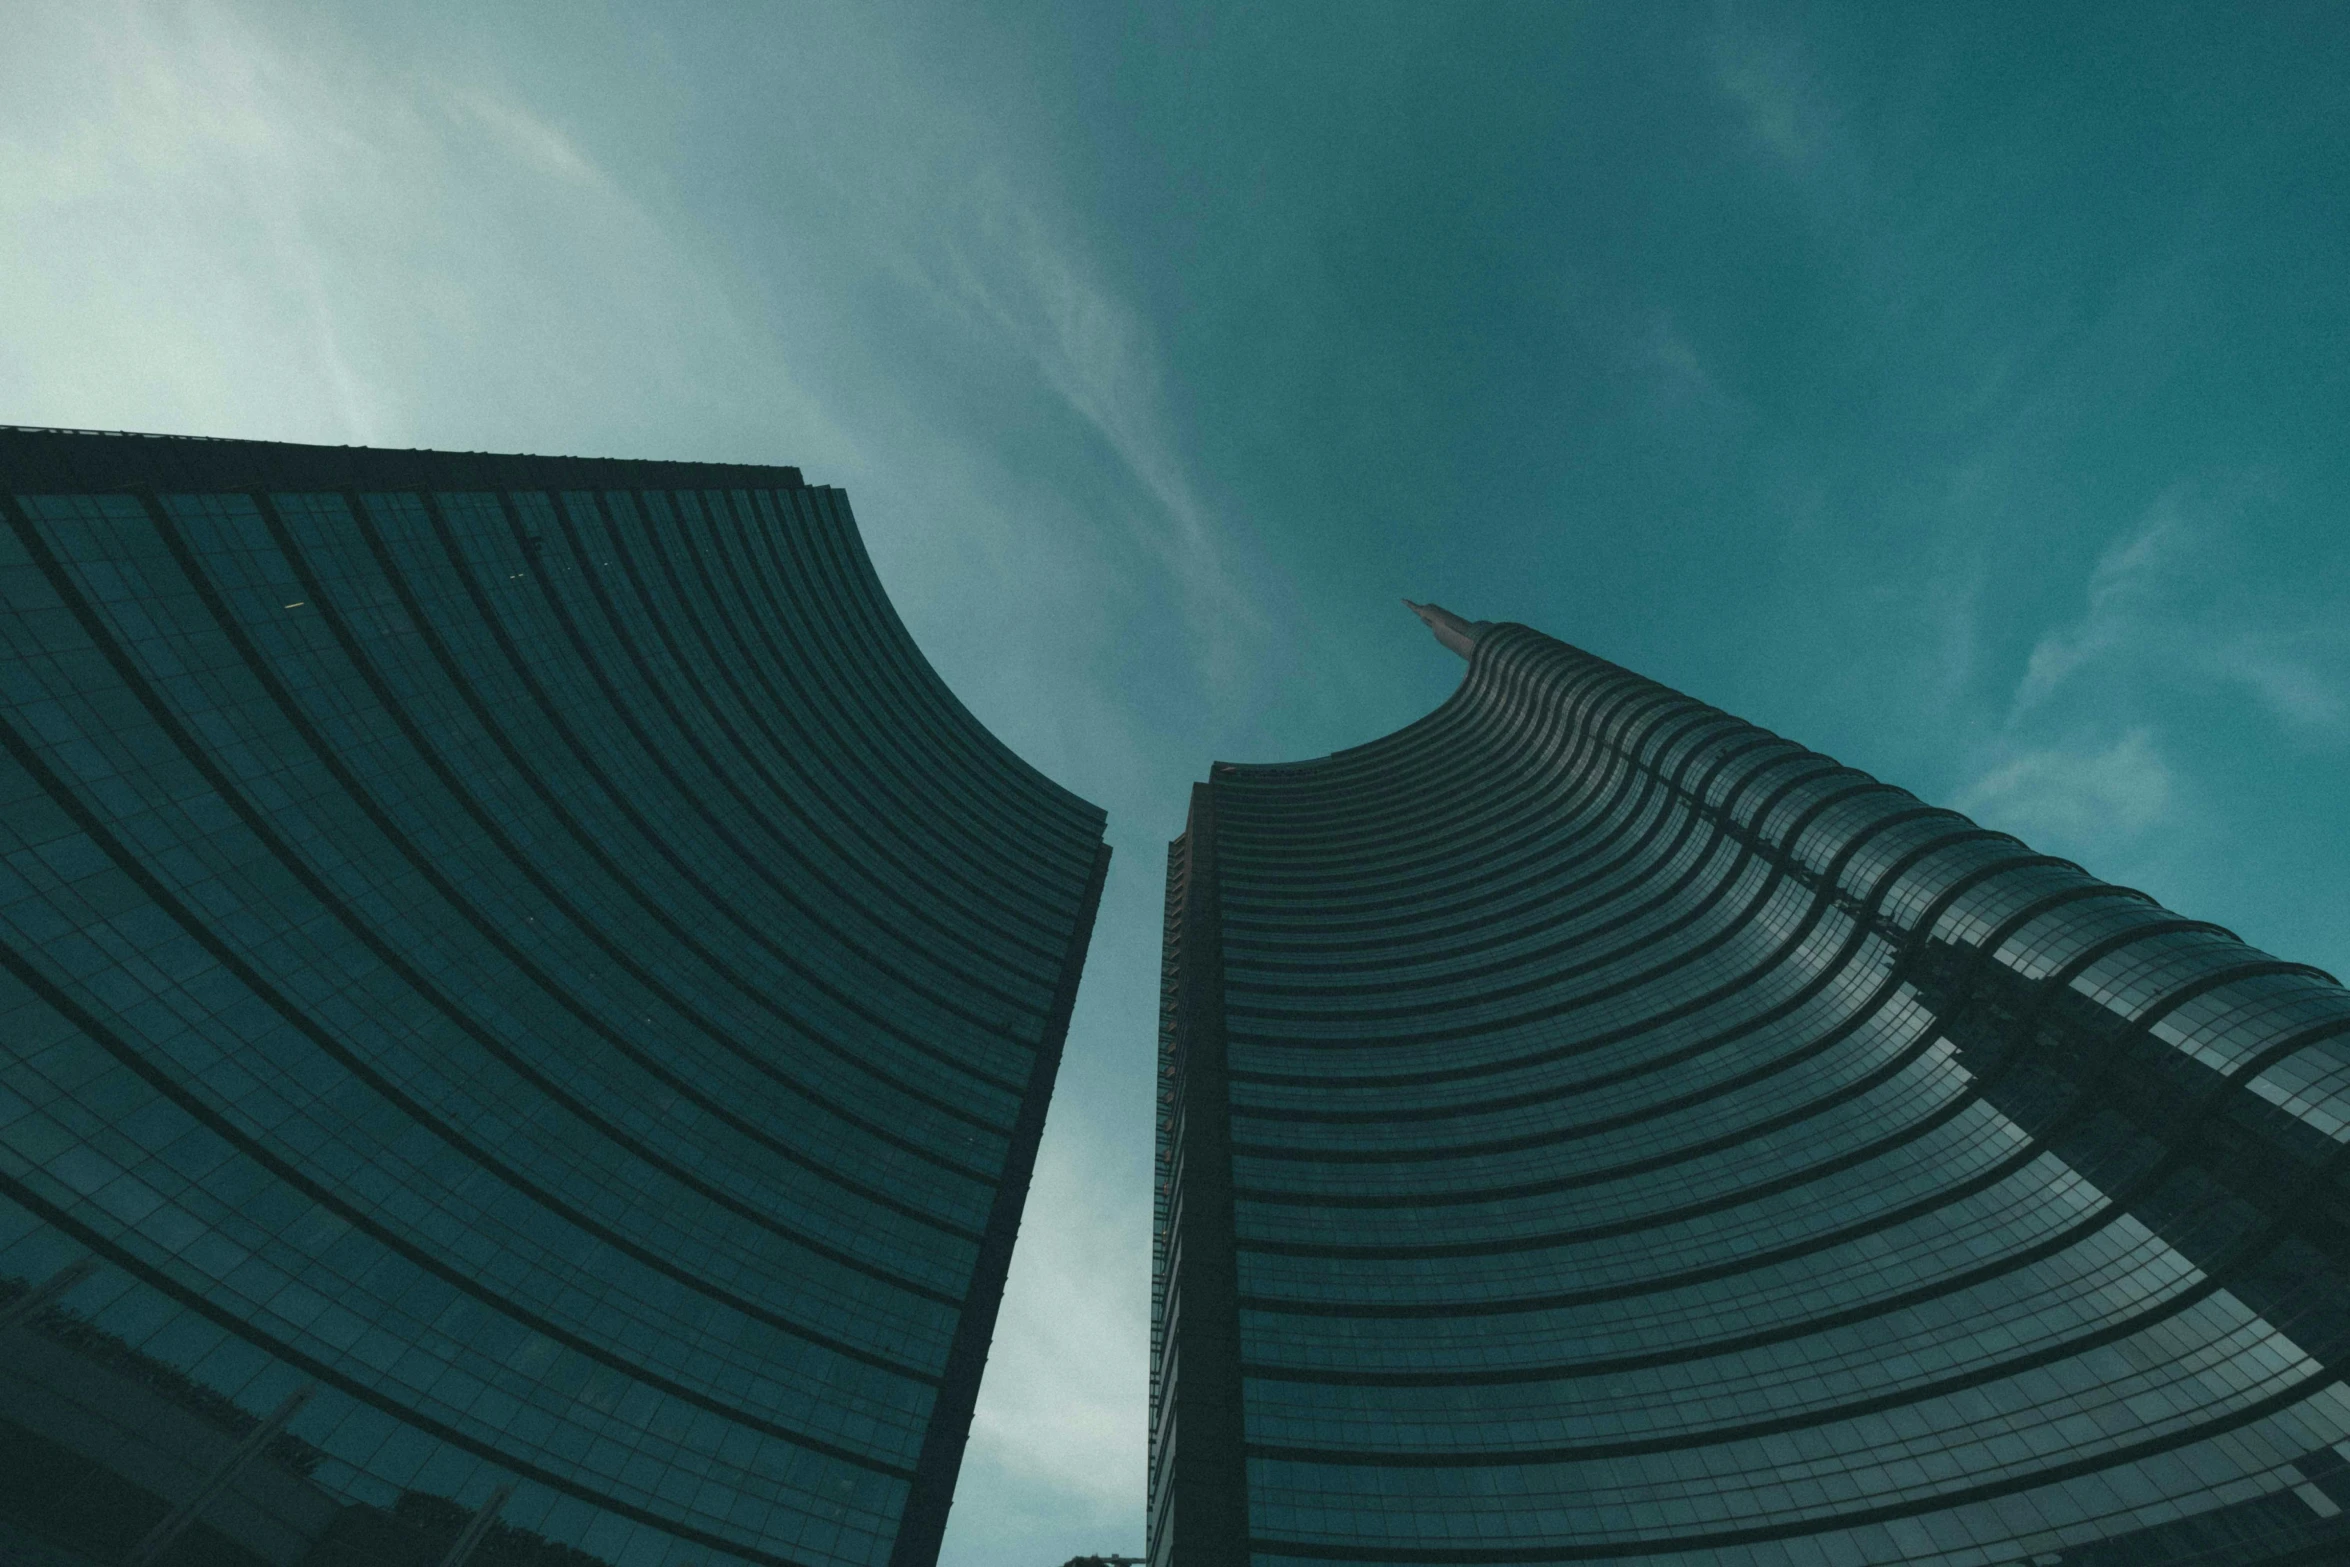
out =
column 453, row 672
column 384, row 1235
column 1834, row 969
column 602, row 680
column 361, row 1392
column 1419, row 1111
column 1913, row 1507
column 2248, row 1250
column 1648, row 1163
column 1663, row 1159
column 435, row 876
column 1389, row 1039
column 1527, row 819
column 1703, row 857
column 782, row 752
column 1533, row 833
column 587, row 650
column 1699, row 1438
column 2082, row 891
column 1527, row 854
column 312, row 881
column 392, row 1093
column 2037, row 1146
column 1518, row 710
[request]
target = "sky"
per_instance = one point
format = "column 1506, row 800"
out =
column 1961, row 391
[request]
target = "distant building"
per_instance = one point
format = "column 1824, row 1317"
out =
column 527, row 1010
column 1593, row 1128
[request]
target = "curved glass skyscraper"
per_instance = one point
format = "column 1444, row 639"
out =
column 527, row 1012
column 1593, row 1128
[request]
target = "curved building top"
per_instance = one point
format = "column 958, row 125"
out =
column 1593, row 1128
column 517, row 970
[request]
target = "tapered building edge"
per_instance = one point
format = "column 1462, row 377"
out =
column 2292, row 1190
column 1197, row 1501
column 922, row 1526
column 43, row 460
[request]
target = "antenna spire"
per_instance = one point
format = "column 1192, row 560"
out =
column 1455, row 633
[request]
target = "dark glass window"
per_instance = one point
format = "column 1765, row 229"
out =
column 1592, row 1128
column 526, row 951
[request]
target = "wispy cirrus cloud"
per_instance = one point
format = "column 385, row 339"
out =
column 2167, row 605
column 1067, row 1368
column 216, row 214
column 1784, row 104
column 2072, row 795
column 2169, row 625
column 2294, row 675
column 2131, row 596
column 1008, row 270
column 2058, row 773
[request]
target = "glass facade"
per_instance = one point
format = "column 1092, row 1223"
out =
column 526, row 953
column 1593, row 1128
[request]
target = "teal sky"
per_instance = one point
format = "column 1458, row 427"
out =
column 1959, row 390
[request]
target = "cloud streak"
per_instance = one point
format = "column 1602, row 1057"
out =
column 2076, row 796
column 2083, row 761
column 217, row 219
column 1009, row 271
column 2129, row 609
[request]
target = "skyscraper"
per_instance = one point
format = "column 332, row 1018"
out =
column 527, row 1006
column 1593, row 1128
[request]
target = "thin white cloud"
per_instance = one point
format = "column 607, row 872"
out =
column 2153, row 618
column 2079, row 763
column 2126, row 603
column 2073, row 797
column 1066, row 1376
column 531, row 139
column 1009, row 270
column 224, row 225
column 1679, row 384
column 1782, row 102
column 2057, row 777
column 2288, row 675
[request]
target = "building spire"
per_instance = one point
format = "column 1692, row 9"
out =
column 1455, row 633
